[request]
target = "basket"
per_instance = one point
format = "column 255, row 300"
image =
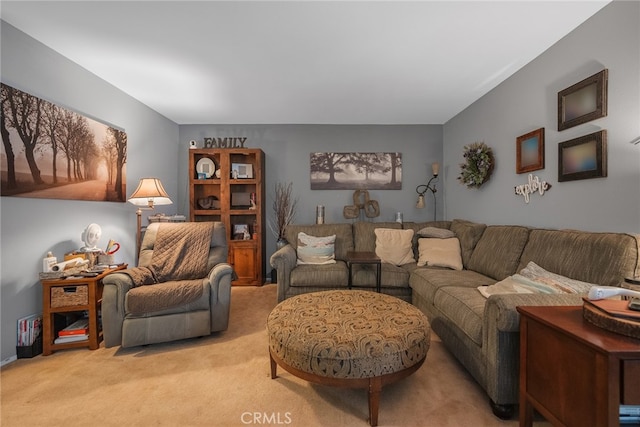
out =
column 68, row 296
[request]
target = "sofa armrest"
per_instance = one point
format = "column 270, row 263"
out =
column 116, row 286
column 501, row 338
column 219, row 279
column 500, row 311
column 283, row 260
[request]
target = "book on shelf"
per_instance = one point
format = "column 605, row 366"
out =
column 71, row 338
column 79, row 327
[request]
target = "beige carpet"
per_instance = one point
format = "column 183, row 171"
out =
column 224, row 380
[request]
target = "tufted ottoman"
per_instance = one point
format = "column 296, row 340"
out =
column 350, row 338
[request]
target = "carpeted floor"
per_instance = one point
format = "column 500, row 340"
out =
column 224, row 380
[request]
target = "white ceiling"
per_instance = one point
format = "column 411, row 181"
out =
column 331, row 62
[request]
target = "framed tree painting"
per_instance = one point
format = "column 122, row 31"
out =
column 51, row 152
column 359, row 171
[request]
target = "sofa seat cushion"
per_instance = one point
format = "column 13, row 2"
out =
column 392, row 276
column 498, row 251
column 426, row 281
column 464, row 307
column 158, row 291
column 327, row 275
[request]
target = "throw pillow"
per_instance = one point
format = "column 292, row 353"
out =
column 435, row 232
column 394, row 246
column 316, row 250
column 440, row 252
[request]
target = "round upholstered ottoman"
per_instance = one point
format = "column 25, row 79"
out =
column 350, row 338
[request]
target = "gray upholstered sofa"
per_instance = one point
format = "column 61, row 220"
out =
column 170, row 310
column 482, row 333
column 296, row 279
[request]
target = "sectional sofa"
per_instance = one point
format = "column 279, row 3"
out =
column 481, row 329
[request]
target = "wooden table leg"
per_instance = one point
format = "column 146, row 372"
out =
column 274, row 366
column 375, row 386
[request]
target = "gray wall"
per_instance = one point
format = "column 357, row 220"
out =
column 31, row 227
column 287, row 149
column 527, row 101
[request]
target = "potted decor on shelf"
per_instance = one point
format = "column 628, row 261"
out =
column 284, row 210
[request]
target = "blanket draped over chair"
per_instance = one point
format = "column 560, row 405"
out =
column 176, row 271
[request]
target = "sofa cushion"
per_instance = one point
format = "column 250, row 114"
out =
column 316, row 250
column 394, row 246
column 364, row 237
column 602, row 258
column 435, row 233
column 327, row 275
column 498, row 251
column 344, row 236
column 464, row 307
column 426, row 281
column 439, row 252
column 468, row 233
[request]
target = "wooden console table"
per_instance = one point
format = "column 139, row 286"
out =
column 572, row 372
column 84, row 294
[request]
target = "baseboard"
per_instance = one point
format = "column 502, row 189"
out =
column 8, row 360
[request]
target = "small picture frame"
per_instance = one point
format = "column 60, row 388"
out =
column 583, row 102
column 530, row 151
column 583, row 158
column 242, row 170
column 241, row 232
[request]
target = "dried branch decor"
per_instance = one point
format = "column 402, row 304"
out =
column 284, row 209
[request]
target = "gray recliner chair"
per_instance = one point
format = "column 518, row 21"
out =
column 180, row 289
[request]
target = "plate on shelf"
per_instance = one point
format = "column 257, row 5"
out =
column 206, row 166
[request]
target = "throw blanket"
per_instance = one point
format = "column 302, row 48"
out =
column 178, row 265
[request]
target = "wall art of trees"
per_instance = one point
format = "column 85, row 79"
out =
column 351, row 171
column 54, row 153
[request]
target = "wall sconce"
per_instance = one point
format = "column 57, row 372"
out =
column 149, row 193
column 423, row 188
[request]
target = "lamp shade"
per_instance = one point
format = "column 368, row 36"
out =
column 150, row 192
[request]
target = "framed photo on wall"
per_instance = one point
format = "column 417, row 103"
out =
column 530, row 151
column 583, row 158
column 583, row 102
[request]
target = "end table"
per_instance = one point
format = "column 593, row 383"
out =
column 68, row 295
column 355, row 257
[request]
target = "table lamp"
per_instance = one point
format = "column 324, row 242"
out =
column 149, row 193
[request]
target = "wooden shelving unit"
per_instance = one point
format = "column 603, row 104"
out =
column 227, row 198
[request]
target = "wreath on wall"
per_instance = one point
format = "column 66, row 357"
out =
column 479, row 165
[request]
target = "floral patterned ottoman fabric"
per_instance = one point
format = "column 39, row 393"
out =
column 348, row 334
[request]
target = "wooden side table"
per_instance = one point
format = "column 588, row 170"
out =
column 354, row 257
column 572, row 372
column 68, row 295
